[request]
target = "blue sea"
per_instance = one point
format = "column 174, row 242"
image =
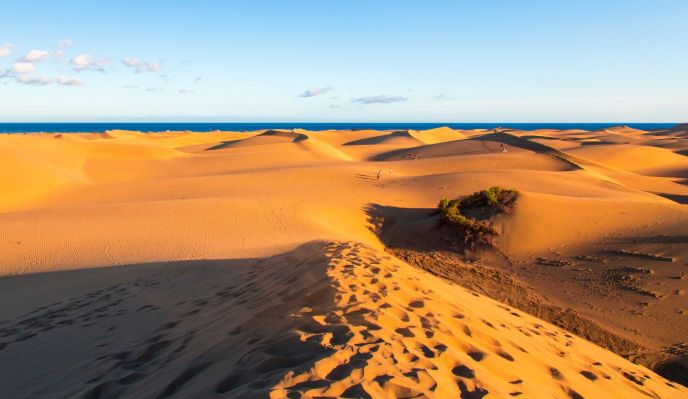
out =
column 240, row 126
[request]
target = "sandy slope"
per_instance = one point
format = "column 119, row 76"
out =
column 643, row 160
column 325, row 319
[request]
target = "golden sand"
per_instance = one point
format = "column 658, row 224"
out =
column 255, row 271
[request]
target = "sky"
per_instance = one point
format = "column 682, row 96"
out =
column 344, row 61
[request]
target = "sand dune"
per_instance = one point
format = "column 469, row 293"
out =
column 310, row 144
column 461, row 147
column 305, row 301
column 411, row 138
column 437, row 135
column 402, row 138
column 678, row 131
column 644, row 160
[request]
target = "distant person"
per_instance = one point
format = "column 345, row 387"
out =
column 379, row 173
column 501, row 146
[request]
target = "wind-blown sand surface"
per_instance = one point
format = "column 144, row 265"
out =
column 276, row 264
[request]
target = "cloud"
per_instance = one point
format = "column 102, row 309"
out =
column 141, row 66
column 335, row 106
column 34, row 80
column 35, row 55
column 315, row 92
column 129, row 87
column 153, row 90
column 45, row 80
column 5, row 50
column 381, row 99
column 67, row 81
column 22, row 67
column 198, row 79
column 85, row 62
column 40, row 55
column 64, row 43
column 185, row 91
column 442, row 96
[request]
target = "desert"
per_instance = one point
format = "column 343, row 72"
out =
column 291, row 263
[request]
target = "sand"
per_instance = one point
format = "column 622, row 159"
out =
column 233, row 264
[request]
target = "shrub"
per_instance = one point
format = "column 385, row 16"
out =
column 494, row 195
column 474, row 231
column 449, row 207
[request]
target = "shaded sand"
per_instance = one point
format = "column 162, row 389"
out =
column 598, row 233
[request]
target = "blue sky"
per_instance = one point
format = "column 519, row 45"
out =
column 345, row 61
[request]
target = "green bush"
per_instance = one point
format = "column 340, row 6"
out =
column 473, row 230
column 494, row 195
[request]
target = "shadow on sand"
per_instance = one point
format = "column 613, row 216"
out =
column 205, row 328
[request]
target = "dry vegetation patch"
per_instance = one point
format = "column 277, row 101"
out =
column 471, row 215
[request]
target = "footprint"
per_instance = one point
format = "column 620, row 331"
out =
column 417, row 304
column 589, row 375
column 467, row 331
column 356, row 391
column 574, row 395
column 405, row 332
column 463, row 371
column 477, row 393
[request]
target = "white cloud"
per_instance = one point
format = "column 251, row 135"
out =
column 85, row 62
column 153, row 90
column 45, row 80
column 185, row 91
column 40, row 55
column 141, row 66
column 129, row 87
column 64, row 43
column 22, row 67
column 35, row 55
column 34, row 80
column 315, row 92
column 5, row 50
column 67, row 81
column 381, row 99
column 198, row 79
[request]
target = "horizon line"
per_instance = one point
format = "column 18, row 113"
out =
column 340, row 122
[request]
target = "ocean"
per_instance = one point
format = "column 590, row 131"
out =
column 69, row 127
